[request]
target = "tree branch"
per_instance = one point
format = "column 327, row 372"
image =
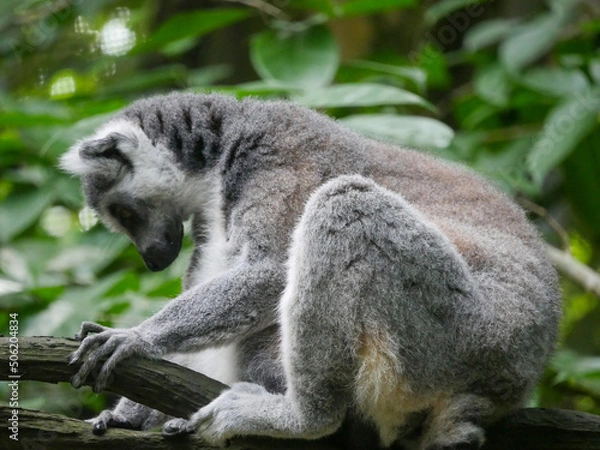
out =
column 39, row 430
column 45, row 359
column 586, row 277
column 264, row 7
column 179, row 391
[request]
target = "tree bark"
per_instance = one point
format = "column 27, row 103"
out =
column 46, row 359
column 179, row 391
column 39, row 430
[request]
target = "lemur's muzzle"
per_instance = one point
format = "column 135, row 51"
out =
column 162, row 252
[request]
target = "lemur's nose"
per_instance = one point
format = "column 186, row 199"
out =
column 160, row 254
column 151, row 266
column 173, row 236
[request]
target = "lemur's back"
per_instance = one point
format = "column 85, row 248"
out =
column 316, row 148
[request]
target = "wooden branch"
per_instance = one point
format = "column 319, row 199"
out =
column 39, row 430
column 586, row 277
column 179, row 391
column 159, row 384
column 141, row 380
column 264, row 7
column 52, row 431
column 545, row 429
column 563, row 260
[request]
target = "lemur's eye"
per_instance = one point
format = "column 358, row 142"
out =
column 122, row 213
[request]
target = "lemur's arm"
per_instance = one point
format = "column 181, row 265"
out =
column 239, row 302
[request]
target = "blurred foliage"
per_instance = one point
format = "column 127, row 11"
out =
column 521, row 91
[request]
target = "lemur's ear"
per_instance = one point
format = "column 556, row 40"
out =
column 106, row 147
column 83, row 157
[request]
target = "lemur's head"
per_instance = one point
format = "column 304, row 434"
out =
column 135, row 186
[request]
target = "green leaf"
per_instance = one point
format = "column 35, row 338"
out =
column 412, row 131
column 176, row 48
column 21, row 119
column 19, row 211
column 307, row 59
column 363, row 7
column 563, row 6
column 129, row 282
column 328, row 7
column 581, row 182
column 445, row 8
column 147, row 80
column 567, row 124
column 531, row 41
column 336, row 8
column 94, row 252
column 435, row 64
column 30, row 266
column 415, row 74
column 15, row 267
column 64, row 316
column 488, row 33
column 555, row 81
column 57, row 140
column 360, row 94
column 492, row 85
column 569, row 364
column 192, row 24
column 253, row 88
column 507, row 166
column 208, row 75
column 47, row 293
column 595, row 69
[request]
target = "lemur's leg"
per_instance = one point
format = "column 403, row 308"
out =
column 127, row 414
column 456, row 424
column 217, row 363
column 356, row 248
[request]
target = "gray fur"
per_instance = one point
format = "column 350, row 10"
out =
column 414, row 294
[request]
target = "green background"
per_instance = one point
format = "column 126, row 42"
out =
column 510, row 88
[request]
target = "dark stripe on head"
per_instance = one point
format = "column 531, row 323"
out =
column 161, row 124
column 177, row 143
column 140, row 120
column 199, row 151
column 191, row 126
column 215, row 123
column 187, row 117
column 240, row 147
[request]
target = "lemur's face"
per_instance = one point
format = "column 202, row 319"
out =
column 133, row 186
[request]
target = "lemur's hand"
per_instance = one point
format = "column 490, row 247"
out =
column 108, row 344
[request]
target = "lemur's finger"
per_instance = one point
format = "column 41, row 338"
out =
column 94, row 357
column 121, row 352
column 86, row 345
column 89, row 327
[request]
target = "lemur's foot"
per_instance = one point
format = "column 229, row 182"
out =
column 223, row 418
column 109, row 419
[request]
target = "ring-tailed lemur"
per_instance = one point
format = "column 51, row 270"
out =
column 341, row 275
